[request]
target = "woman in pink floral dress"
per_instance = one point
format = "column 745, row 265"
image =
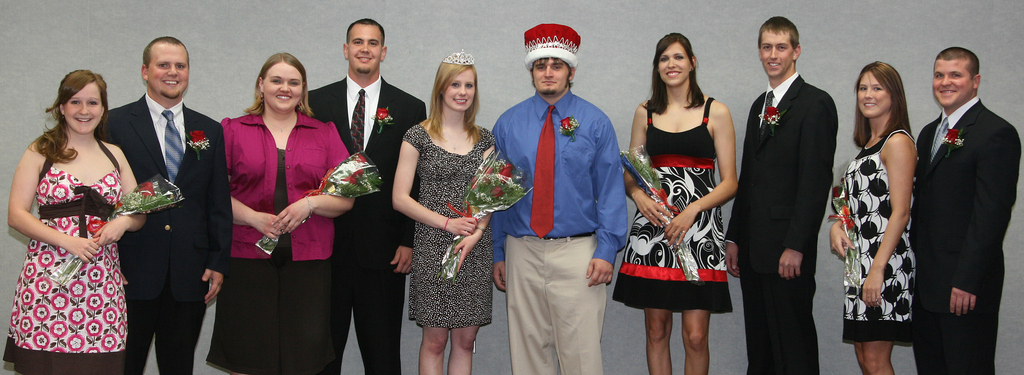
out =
column 74, row 177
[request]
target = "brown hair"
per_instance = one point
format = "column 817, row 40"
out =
column 54, row 140
column 446, row 73
column 257, row 107
column 367, row 22
column 780, row 25
column 960, row 53
column 889, row 78
column 659, row 93
column 147, row 52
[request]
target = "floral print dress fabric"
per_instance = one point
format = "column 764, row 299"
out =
column 86, row 316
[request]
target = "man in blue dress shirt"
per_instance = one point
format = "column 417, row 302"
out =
column 561, row 239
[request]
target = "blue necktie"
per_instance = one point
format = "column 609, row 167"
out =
column 940, row 134
column 173, row 150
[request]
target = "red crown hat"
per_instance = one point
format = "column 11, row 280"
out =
column 551, row 40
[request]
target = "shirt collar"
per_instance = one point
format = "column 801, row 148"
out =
column 156, row 110
column 561, row 106
column 959, row 112
column 372, row 91
column 257, row 120
column 781, row 90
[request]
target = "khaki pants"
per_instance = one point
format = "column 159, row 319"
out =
column 551, row 310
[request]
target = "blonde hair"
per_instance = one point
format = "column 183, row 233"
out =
column 446, row 73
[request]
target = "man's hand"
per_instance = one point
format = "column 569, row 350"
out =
column 960, row 302
column 732, row 257
column 599, row 272
column 789, row 264
column 499, row 275
column 403, row 259
column 216, row 279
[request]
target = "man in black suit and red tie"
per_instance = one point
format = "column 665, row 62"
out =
column 966, row 184
column 176, row 263
column 373, row 242
column 772, row 238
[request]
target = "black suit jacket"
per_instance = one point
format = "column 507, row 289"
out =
column 962, row 206
column 180, row 243
column 372, row 230
column 785, row 179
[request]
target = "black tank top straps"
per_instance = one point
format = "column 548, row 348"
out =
column 690, row 148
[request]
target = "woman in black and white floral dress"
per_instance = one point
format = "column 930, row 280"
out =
column 880, row 184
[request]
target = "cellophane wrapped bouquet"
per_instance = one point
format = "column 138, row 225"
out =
column 497, row 185
column 355, row 176
column 155, row 194
column 840, row 203
column 637, row 162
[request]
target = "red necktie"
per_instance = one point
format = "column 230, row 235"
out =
column 543, row 212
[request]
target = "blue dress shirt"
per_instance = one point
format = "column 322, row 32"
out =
column 589, row 192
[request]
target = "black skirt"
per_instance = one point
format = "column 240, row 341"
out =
column 273, row 317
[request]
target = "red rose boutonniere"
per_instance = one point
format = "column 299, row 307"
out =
column 771, row 117
column 953, row 140
column 198, row 141
column 382, row 118
column 568, row 127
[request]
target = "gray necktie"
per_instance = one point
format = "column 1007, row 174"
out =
column 769, row 100
column 940, row 134
column 173, row 150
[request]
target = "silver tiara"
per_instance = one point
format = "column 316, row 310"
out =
column 459, row 58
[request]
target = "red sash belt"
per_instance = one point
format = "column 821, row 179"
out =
column 684, row 161
column 670, row 274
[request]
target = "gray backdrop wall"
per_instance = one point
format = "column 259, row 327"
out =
column 229, row 40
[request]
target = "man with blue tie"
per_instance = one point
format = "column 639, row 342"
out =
column 176, row 263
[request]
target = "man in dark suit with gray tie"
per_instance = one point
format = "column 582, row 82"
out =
column 966, row 184
column 176, row 263
column 373, row 242
column 784, row 182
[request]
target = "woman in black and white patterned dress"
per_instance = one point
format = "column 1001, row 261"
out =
column 880, row 184
column 445, row 152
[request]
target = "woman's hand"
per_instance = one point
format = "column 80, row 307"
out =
column 264, row 223
column 467, row 245
column 871, row 292
column 462, row 226
column 293, row 215
column 839, row 240
column 83, row 248
column 111, row 231
column 676, row 230
column 654, row 212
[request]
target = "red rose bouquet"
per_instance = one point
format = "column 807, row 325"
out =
column 156, row 194
column 496, row 186
column 355, row 176
column 638, row 164
column 840, row 203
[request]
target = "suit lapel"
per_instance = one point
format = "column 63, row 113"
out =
column 189, row 158
column 142, row 123
column 383, row 101
column 340, row 115
column 784, row 104
column 965, row 121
